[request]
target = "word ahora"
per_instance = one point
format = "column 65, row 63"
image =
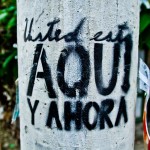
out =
column 80, row 115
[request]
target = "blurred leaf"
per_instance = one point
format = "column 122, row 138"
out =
column 11, row 8
column 11, row 23
column 3, row 16
column 145, row 20
column 145, row 38
column 8, row 59
column 12, row 146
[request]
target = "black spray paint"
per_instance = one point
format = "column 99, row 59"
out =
column 85, row 115
column 122, row 112
column 106, row 107
column 72, row 116
column 85, row 63
column 53, row 114
column 72, row 36
column 98, row 58
column 46, row 74
column 98, row 51
column 33, row 109
column 78, row 113
column 81, row 85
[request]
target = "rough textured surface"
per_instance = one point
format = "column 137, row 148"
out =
column 91, row 81
column 139, row 142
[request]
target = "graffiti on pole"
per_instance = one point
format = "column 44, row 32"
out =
column 79, row 113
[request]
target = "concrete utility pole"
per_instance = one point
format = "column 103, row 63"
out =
column 77, row 73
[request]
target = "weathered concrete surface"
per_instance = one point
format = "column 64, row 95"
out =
column 94, row 77
column 139, row 142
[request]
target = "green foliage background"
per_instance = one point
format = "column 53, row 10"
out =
column 144, row 40
column 8, row 63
